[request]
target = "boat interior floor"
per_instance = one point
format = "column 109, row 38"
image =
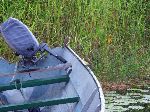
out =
column 44, row 85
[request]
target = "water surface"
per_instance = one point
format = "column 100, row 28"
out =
column 134, row 100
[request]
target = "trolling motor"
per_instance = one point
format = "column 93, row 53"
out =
column 19, row 37
column 21, row 40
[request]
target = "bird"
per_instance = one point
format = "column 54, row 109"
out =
column 66, row 41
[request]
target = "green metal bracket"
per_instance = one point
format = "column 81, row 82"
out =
column 35, row 82
column 41, row 103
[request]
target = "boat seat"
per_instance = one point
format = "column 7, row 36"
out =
column 40, row 103
column 56, row 79
column 35, row 82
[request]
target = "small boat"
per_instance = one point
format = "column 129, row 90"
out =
column 44, row 79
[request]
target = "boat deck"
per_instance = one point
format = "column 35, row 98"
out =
column 79, row 91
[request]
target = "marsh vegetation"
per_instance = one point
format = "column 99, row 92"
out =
column 113, row 36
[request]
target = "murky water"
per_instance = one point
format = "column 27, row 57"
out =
column 135, row 100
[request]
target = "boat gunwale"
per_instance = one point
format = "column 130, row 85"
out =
column 101, row 95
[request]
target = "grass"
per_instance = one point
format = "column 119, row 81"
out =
column 112, row 35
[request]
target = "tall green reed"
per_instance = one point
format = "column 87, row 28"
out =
column 112, row 35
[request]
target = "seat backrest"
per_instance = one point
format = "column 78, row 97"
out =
column 19, row 37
